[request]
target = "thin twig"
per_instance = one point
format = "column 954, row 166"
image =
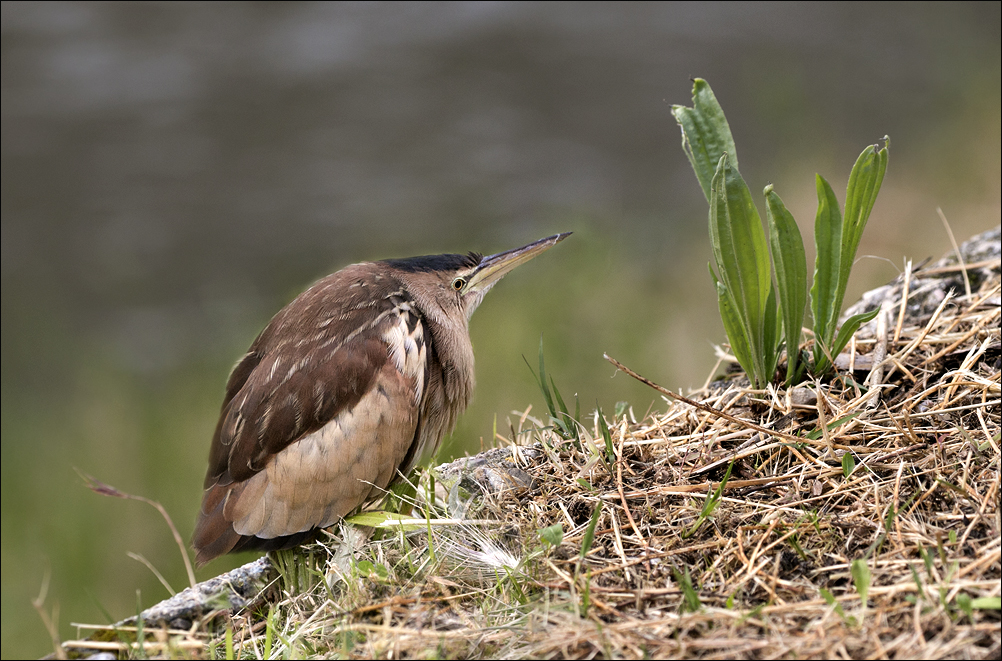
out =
column 956, row 250
column 716, row 412
column 50, row 622
column 619, row 486
column 103, row 489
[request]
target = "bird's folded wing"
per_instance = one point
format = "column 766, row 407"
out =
column 315, row 424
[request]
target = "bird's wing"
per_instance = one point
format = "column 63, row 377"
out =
column 321, row 410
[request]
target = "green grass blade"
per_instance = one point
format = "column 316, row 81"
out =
column 706, row 136
column 610, row 451
column 837, row 607
column 818, row 433
column 770, row 332
column 690, row 596
column 561, row 418
column 861, row 579
column 828, row 242
column 269, row 632
column 564, row 420
column 790, row 263
column 589, row 534
column 542, row 382
column 710, row 503
column 557, row 399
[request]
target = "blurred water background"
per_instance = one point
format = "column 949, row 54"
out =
column 172, row 174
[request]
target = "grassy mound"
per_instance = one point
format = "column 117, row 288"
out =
column 855, row 517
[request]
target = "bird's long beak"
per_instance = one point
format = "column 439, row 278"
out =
column 494, row 267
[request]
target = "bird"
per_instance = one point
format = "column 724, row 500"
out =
column 349, row 387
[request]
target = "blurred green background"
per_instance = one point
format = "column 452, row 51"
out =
column 172, row 174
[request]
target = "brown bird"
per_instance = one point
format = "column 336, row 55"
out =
column 350, row 386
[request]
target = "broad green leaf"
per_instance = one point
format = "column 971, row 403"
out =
column 372, row 570
column 850, row 326
column 552, row 535
column 837, row 243
column 828, row 241
column 848, row 464
column 790, row 263
column 706, row 135
column 741, row 258
column 861, row 193
column 735, row 330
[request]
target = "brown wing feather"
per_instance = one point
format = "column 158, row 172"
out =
column 314, row 361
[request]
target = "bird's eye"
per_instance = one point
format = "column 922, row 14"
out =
column 458, row 284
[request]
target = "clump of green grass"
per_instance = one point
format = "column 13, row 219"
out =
column 563, row 422
column 755, row 311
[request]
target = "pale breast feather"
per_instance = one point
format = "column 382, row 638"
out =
column 404, row 336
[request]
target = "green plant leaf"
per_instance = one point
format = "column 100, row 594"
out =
column 848, row 464
column 690, row 595
column 837, row 239
column 736, row 334
column 552, row 535
column 372, row 570
column 589, row 533
column 563, row 418
column 741, row 258
column 770, row 335
column 790, row 263
column 987, row 603
column 542, row 382
column 828, row 243
column 850, row 326
column 963, row 601
column 706, row 136
column 818, row 433
column 710, row 503
column 860, row 194
column 861, row 578
column 837, row 607
column 381, row 519
column 560, row 417
column 610, row 451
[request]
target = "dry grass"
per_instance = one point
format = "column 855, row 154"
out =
column 864, row 524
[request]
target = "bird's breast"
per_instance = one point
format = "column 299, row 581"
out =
column 328, row 473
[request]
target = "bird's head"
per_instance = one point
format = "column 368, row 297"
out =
column 457, row 283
